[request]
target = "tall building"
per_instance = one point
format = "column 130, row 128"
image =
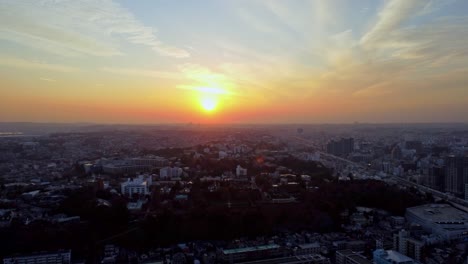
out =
column 436, row 178
column 391, row 257
column 456, row 174
column 466, row 191
column 342, row 147
column 396, row 153
column 406, row 245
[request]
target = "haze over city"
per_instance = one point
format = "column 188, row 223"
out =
column 234, row 61
column 234, row 131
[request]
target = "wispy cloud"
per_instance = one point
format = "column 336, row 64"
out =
column 47, row 79
column 29, row 64
column 393, row 15
column 74, row 26
column 141, row 72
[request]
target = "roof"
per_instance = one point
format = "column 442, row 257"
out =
column 359, row 259
column 249, row 249
column 289, row 260
column 309, row 245
column 397, row 256
column 439, row 213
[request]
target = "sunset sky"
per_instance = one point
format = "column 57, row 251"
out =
column 242, row 61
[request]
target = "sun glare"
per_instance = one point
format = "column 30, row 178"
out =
column 208, row 103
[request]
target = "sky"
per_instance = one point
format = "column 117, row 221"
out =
column 242, row 61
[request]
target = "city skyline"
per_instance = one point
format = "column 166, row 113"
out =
column 108, row 61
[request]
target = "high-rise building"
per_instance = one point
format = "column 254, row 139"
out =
column 466, row 191
column 342, row 147
column 406, row 245
column 456, row 174
column 436, row 178
column 396, row 153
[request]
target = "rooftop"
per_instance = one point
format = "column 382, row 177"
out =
column 439, row 213
column 250, row 249
column 309, row 245
column 393, row 256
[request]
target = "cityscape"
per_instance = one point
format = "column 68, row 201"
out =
column 222, row 132
column 357, row 193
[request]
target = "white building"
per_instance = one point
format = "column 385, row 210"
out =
column 241, row 171
column 168, row 172
column 139, row 185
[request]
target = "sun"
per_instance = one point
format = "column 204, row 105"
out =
column 209, row 104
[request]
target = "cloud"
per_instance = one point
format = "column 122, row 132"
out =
column 375, row 90
column 78, row 27
column 28, row 64
column 141, row 72
column 393, row 15
column 47, row 79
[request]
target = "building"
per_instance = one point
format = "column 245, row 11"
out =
column 306, row 249
column 154, row 162
column 397, row 221
column 382, row 243
column 140, row 185
column 132, row 166
column 251, row 253
column 391, row 257
column 59, row 257
column 301, row 259
column 170, row 172
column 456, row 174
column 436, row 178
column 406, row 245
column 349, row 257
column 415, row 145
column 442, row 220
column 466, row 191
column 240, row 171
column 396, row 153
column 125, row 169
column 342, row 147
